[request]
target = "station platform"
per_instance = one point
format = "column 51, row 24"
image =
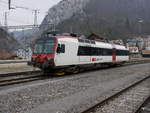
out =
column 13, row 61
column 15, row 67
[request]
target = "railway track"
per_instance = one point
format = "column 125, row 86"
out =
column 19, row 77
column 138, row 61
column 19, row 73
column 22, row 77
column 145, row 106
column 12, row 61
column 106, row 106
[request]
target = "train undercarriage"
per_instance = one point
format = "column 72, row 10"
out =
column 74, row 69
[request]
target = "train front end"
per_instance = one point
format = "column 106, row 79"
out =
column 44, row 53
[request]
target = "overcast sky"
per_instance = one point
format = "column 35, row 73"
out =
column 21, row 16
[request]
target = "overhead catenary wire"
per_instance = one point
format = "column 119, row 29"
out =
column 35, row 12
column 18, row 21
column 22, row 7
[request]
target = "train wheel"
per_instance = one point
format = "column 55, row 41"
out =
column 46, row 73
column 76, row 70
column 82, row 70
column 60, row 73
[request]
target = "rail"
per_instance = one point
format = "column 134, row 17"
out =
column 28, row 76
column 93, row 108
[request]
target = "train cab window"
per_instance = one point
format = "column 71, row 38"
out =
column 48, row 47
column 61, row 48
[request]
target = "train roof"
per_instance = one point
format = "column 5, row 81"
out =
column 94, row 42
column 74, row 37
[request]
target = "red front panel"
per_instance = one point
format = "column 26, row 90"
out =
column 42, row 57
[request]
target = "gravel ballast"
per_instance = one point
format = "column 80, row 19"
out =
column 127, row 102
column 71, row 94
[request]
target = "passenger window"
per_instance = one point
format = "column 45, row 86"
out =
column 87, row 41
column 61, row 48
column 81, row 40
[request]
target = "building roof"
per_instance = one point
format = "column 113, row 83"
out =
column 96, row 36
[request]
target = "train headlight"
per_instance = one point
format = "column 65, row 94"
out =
column 49, row 59
column 33, row 59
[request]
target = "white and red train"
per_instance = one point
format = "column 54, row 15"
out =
column 69, row 54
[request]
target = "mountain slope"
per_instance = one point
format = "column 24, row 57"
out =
column 7, row 43
column 62, row 11
column 25, row 37
column 112, row 18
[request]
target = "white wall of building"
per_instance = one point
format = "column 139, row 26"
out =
column 24, row 53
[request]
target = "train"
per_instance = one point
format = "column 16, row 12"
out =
column 70, row 53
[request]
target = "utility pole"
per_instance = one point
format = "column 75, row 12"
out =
column 5, row 21
column 9, row 4
column 0, row 24
column 35, row 16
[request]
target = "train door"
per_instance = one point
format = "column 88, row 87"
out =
column 61, row 53
column 114, row 54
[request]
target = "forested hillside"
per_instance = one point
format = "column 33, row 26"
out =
column 112, row 18
column 7, row 43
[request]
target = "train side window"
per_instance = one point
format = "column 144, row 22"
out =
column 94, row 51
column 87, row 41
column 104, row 52
column 92, row 42
column 81, row 40
column 84, row 51
column 122, row 52
column 107, row 52
column 61, row 48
